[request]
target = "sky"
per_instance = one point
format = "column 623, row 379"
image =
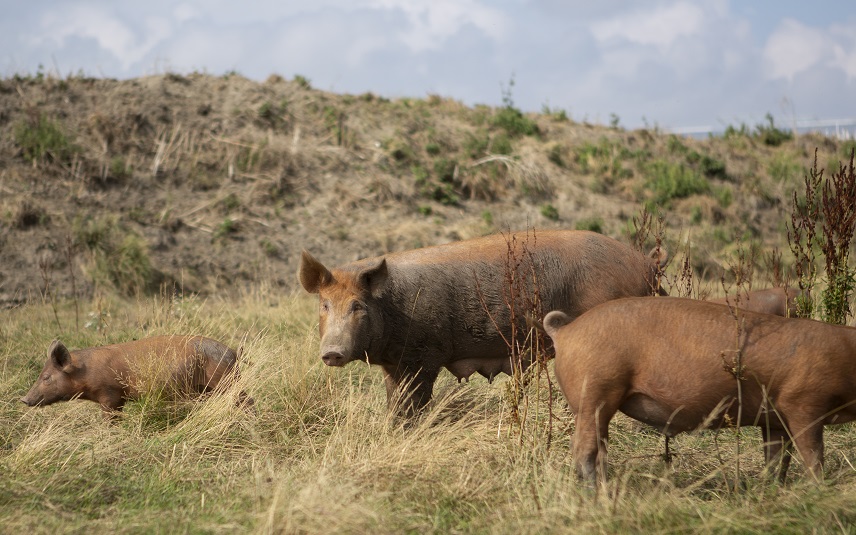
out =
column 674, row 64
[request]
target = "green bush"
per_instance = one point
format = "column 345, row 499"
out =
column 514, row 122
column 444, row 169
column 225, row 228
column 675, row 145
column 120, row 257
column 549, row 211
column 724, row 196
column 594, row 224
column 119, row 169
column 476, row 145
column 432, row 148
column 735, row 132
column 712, row 167
column 501, row 144
column 302, row 81
column 42, row 139
column 556, row 154
column 783, row 168
column 771, row 135
column 669, row 181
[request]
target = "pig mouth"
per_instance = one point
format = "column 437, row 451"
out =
column 334, row 358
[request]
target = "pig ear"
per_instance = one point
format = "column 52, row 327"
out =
column 659, row 255
column 312, row 273
column 59, row 354
column 373, row 278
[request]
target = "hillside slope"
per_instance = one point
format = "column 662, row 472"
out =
column 216, row 183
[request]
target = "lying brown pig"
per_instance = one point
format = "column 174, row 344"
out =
column 415, row 312
column 781, row 301
column 673, row 364
column 111, row 375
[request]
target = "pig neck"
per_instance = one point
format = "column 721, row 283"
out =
column 99, row 373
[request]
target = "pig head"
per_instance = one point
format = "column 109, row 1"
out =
column 350, row 320
column 60, row 380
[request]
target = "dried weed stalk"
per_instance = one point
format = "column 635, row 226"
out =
column 802, row 237
column 839, row 219
column 529, row 347
column 774, row 268
column 643, row 228
column 742, row 269
column 832, row 204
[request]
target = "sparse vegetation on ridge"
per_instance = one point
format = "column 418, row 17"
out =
column 164, row 153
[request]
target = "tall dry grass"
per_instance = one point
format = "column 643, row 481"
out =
column 318, row 452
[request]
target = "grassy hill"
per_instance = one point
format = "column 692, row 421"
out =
column 217, row 183
column 111, row 190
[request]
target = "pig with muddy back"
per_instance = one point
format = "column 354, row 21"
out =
column 675, row 364
column 113, row 374
column 416, row 312
column 779, row 300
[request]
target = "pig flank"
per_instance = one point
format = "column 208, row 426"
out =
column 669, row 362
column 781, row 301
column 417, row 311
column 108, row 375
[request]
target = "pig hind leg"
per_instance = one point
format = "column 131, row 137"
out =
column 591, row 438
column 808, row 439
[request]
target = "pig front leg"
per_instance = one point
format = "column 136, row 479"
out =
column 112, row 402
column 408, row 388
column 777, row 451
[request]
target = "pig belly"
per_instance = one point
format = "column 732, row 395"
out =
column 667, row 419
column 462, row 369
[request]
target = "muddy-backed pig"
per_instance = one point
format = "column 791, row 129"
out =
column 415, row 312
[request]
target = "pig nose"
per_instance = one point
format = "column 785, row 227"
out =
column 333, row 358
column 25, row 401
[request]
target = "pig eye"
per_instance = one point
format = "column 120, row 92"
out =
column 356, row 306
column 325, row 306
column 47, row 378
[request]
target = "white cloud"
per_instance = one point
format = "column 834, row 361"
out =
column 792, row 48
column 844, row 50
column 112, row 35
column 672, row 61
column 660, row 27
column 432, row 22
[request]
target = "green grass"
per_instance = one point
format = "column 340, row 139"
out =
column 319, row 454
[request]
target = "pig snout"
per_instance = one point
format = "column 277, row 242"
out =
column 334, row 357
column 29, row 402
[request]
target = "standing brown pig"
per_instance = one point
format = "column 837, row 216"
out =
column 111, row 375
column 673, row 364
column 417, row 311
column 781, row 301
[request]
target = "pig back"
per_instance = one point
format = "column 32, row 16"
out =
column 192, row 363
column 459, row 299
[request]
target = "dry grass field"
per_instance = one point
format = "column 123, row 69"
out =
column 112, row 190
column 319, row 454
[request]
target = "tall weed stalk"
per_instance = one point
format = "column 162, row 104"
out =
column 839, row 219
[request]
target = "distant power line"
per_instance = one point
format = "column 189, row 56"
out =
column 837, row 128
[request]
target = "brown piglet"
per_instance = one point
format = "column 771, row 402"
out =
column 676, row 364
column 113, row 374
